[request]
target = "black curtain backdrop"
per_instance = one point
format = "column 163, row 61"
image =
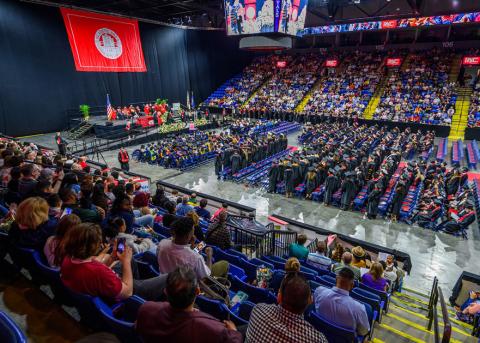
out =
column 39, row 83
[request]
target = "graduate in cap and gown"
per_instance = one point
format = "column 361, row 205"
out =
column 373, row 200
column 330, row 186
column 348, row 190
column 273, row 174
column 310, row 182
column 289, row 182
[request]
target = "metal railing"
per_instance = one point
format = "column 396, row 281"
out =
column 435, row 295
column 255, row 243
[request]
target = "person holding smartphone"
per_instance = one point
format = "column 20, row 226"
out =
column 87, row 268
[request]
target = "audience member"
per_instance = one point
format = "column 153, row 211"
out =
column 319, row 259
column 32, row 226
column 202, row 210
column 284, row 322
column 374, row 278
column 177, row 320
column 298, row 249
column 53, row 249
column 346, row 262
column 336, row 305
column 218, row 234
column 85, row 271
column 178, row 251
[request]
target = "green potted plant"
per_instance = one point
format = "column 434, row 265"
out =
column 85, row 110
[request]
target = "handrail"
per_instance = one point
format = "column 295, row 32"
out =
column 435, row 295
column 447, row 325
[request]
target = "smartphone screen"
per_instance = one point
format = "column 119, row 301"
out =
column 121, row 245
column 199, row 246
column 66, row 212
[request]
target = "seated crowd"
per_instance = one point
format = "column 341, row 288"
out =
column 474, row 111
column 348, row 92
column 421, row 93
column 239, row 89
column 288, row 85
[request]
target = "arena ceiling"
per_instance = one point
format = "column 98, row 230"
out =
column 210, row 13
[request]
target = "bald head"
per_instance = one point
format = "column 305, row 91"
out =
column 347, row 258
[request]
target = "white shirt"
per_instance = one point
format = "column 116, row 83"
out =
column 171, row 256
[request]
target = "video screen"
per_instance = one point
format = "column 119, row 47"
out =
column 244, row 17
column 249, row 16
column 460, row 18
column 292, row 16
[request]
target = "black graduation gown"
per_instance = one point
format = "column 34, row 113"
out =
column 273, row 178
column 236, row 161
column 218, row 164
column 452, row 185
column 288, row 176
column 397, row 200
column 330, row 185
column 310, row 182
column 373, row 200
column 296, row 174
column 348, row 189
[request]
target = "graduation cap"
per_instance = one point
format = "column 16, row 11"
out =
column 331, row 170
column 350, row 174
column 337, row 168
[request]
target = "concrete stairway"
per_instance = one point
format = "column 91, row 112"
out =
column 406, row 321
column 455, row 68
column 460, row 117
column 375, row 99
column 256, row 91
column 301, row 105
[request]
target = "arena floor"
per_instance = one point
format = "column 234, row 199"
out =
column 432, row 253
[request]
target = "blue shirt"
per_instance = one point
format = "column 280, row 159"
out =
column 183, row 209
column 336, row 305
column 205, row 214
column 319, row 261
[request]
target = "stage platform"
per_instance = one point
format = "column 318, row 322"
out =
column 105, row 129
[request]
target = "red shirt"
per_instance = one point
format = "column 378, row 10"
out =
column 90, row 277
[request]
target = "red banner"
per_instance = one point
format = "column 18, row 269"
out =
column 104, row 43
column 471, row 60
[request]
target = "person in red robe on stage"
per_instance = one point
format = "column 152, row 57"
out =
column 159, row 118
column 114, row 115
column 125, row 112
column 146, row 109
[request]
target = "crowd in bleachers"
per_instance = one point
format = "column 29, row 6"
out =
column 474, row 111
column 238, row 89
column 348, row 92
column 289, row 84
column 420, row 93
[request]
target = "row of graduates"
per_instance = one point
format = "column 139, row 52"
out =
column 341, row 156
column 171, row 152
column 238, row 151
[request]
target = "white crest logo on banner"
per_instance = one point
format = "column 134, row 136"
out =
column 108, row 43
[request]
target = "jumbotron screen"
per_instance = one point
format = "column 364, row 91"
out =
column 245, row 17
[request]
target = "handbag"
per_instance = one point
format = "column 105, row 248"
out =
column 216, row 288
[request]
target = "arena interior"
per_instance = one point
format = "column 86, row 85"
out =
column 240, row 171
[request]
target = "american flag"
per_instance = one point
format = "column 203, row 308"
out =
column 110, row 110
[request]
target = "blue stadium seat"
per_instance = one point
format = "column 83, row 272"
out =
column 120, row 319
column 383, row 295
column 333, row 332
column 370, row 298
column 255, row 294
column 9, row 330
column 237, row 271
